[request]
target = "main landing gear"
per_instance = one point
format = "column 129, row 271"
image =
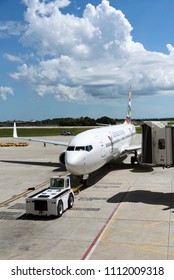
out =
column 135, row 158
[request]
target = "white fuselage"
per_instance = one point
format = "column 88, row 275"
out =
column 91, row 149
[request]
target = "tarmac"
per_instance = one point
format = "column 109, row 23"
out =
column 125, row 213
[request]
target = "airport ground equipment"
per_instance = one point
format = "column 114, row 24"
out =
column 157, row 144
column 53, row 200
column 14, row 144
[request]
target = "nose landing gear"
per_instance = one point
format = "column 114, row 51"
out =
column 84, row 179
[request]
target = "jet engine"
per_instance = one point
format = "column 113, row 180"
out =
column 62, row 158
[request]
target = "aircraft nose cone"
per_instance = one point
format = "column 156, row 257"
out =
column 74, row 163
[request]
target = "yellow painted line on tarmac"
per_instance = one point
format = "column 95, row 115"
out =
column 131, row 229
column 31, row 189
column 148, row 247
column 23, row 193
column 139, row 247
column 105, row 234
column 14, row 198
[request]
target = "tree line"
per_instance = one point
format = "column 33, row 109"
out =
column 82, row 121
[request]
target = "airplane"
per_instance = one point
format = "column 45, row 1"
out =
column 91, row 149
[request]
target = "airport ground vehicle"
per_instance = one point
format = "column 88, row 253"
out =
column 65, row 133
column 53, row 200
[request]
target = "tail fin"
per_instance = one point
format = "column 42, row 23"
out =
column 128, row 117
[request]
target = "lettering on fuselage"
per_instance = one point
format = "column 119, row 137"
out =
column 116, row 137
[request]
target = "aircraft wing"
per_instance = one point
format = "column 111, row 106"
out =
column 37, row 140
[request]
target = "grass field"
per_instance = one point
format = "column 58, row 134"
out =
column 42, row 131
column 30, row 132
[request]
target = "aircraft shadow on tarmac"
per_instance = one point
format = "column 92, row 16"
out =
column 59, row 167
column 115, row 165
column 147, row 197
column 95, row 176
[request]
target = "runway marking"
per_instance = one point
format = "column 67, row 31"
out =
column 107, row 225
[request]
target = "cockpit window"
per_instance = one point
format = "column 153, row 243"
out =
column 70, row 148
column 89, row 148
column 80, row 148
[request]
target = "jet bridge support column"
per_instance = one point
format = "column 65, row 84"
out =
column 169, row 145
column 157, row 144
column 146, row 143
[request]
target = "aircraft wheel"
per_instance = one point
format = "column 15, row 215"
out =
column 70, row 201
column 60, row 209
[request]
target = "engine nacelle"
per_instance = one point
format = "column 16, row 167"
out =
column 62, row 158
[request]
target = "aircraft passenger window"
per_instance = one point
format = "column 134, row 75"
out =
column 161, row 144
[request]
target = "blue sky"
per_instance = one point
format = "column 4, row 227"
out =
column 65, row 58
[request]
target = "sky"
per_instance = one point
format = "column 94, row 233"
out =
column 74, row 58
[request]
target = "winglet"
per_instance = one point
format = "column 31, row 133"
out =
column 15, row 131
column 128, row 117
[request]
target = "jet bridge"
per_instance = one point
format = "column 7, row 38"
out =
column 157, row 144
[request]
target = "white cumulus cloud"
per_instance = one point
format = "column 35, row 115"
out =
column 89, row 57
column 10, row 28
column 12, row 58
column 4, row 91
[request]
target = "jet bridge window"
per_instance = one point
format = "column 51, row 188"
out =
column 161, row 144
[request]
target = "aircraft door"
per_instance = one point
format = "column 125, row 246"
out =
column 102, row 150
column 102, row 147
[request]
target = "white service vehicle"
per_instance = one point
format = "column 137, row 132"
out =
column 53, row 200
